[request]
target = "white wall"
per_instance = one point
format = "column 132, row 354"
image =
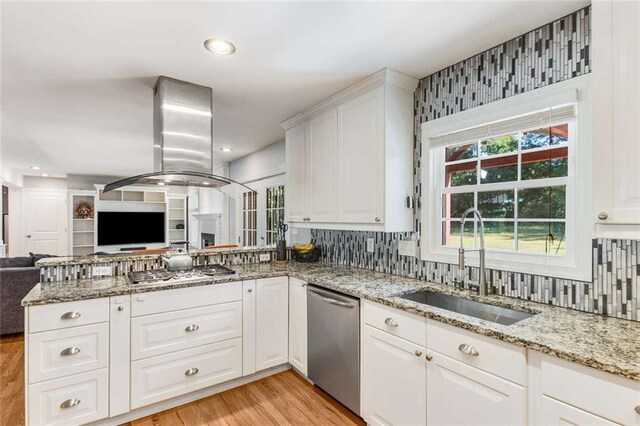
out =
column 36, row 182
column 266, row 162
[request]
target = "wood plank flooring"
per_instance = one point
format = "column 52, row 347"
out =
column 282, row 399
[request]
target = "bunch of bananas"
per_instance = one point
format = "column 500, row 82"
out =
column 304, row 249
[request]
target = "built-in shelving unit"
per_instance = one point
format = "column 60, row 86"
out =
column 134, row 196
column 82, row 229
column 177, row 218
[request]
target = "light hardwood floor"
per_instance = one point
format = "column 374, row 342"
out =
column 282, row 399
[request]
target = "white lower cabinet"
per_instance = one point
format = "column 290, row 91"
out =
column 272, row 322
column 298, row 324
column 166, row 376
column 553, row 412
column 460, row 394
column 393, row 379
column 71, row 400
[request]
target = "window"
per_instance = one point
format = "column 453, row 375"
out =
column 249, row 218
column 275, row 213
column 517, row 182
column 525, row 163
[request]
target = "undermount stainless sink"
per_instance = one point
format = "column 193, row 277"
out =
column 497, row 314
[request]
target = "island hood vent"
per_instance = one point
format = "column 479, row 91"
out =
column 182, row 140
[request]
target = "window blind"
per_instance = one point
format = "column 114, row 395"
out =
column 544, row 118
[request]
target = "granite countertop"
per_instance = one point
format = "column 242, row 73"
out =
column 114, row 257
column 605, row 343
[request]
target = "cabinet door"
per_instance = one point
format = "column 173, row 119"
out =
column 297, row 153
column 552, row 412
column 393, row 379
column 272, row 322
column 460, row 394
column 322, row 179
column 298, row 324
column 616, row 124
column 361, row 159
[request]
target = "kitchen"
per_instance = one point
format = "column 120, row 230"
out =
column 438, row 232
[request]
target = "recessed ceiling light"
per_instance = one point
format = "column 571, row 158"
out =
column 219, row 46
column 45, row 175
column 35, row 167
column 226, row 149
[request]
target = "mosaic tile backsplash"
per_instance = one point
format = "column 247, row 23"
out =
column 552, row 53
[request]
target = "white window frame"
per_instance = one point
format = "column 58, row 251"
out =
column 576, row 262
column 260, row 186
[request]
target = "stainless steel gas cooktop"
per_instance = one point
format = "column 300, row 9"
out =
column 155, row 276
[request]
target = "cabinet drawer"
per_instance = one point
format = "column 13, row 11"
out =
column 68, row 314
column 159, row 334
column 601, row 394
column 166, row 376
column 184, row 298
column 399, row 323
column 59, row 353
column 493, row 356
column 72, row 400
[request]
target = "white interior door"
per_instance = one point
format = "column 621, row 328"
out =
column 45, row 222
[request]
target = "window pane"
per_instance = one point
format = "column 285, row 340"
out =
column 535, row 138
column 501, row 169
column 559, row 134
column 451, row 233
column 461, row 174
column 496, row 204
column 545, row 164
column 546, row 203
column 499, row 145
column 453, row 205
column 499, row 235
column 461, row 152
column 541, row 237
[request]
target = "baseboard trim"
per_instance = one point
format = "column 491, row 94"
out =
column 190, row 397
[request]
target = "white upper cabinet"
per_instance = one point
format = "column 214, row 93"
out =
column 296, row 150
column 616, row 44
column 350, row 158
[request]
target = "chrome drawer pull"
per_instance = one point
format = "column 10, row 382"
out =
column 390, row 322
column 468, row 349
column 70, row 315
column 70, row 351
column 191, row 372
column 191, row 327
column 70, row 403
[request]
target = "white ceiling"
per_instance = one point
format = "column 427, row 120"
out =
column 77, row 77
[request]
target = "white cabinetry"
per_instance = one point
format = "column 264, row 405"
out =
column 298, row 324
column 563, row 392
column 272, row 322
column 616, row 46
column 394, row 379
column 350, row 158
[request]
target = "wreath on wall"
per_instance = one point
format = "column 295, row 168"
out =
column 83, row 211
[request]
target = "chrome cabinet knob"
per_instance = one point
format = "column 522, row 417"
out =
column 70, row 351
column 391, row 322
column 603, row 216
column 418, row 353
column 303, row 285
column 637, row 409
column 249, row 290
column 377, row 219
column 70, row 315
column 428, row 357
column 70, row 403
column 191, row 372
column 191, row 328
column 468, row 349
column 121, row 308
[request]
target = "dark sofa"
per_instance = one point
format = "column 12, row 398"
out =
column 18, row 276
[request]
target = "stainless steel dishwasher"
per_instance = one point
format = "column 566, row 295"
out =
column 334, row 344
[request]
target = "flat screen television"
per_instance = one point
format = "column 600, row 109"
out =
column 119, row 228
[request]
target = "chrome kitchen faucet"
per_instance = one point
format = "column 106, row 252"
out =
column 482, row 282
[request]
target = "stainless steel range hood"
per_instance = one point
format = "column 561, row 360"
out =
column 182, row 140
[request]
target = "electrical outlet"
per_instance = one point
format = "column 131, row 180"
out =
column 407, row 248
column 265, row 257
column 101, row 271
column 370, row 245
